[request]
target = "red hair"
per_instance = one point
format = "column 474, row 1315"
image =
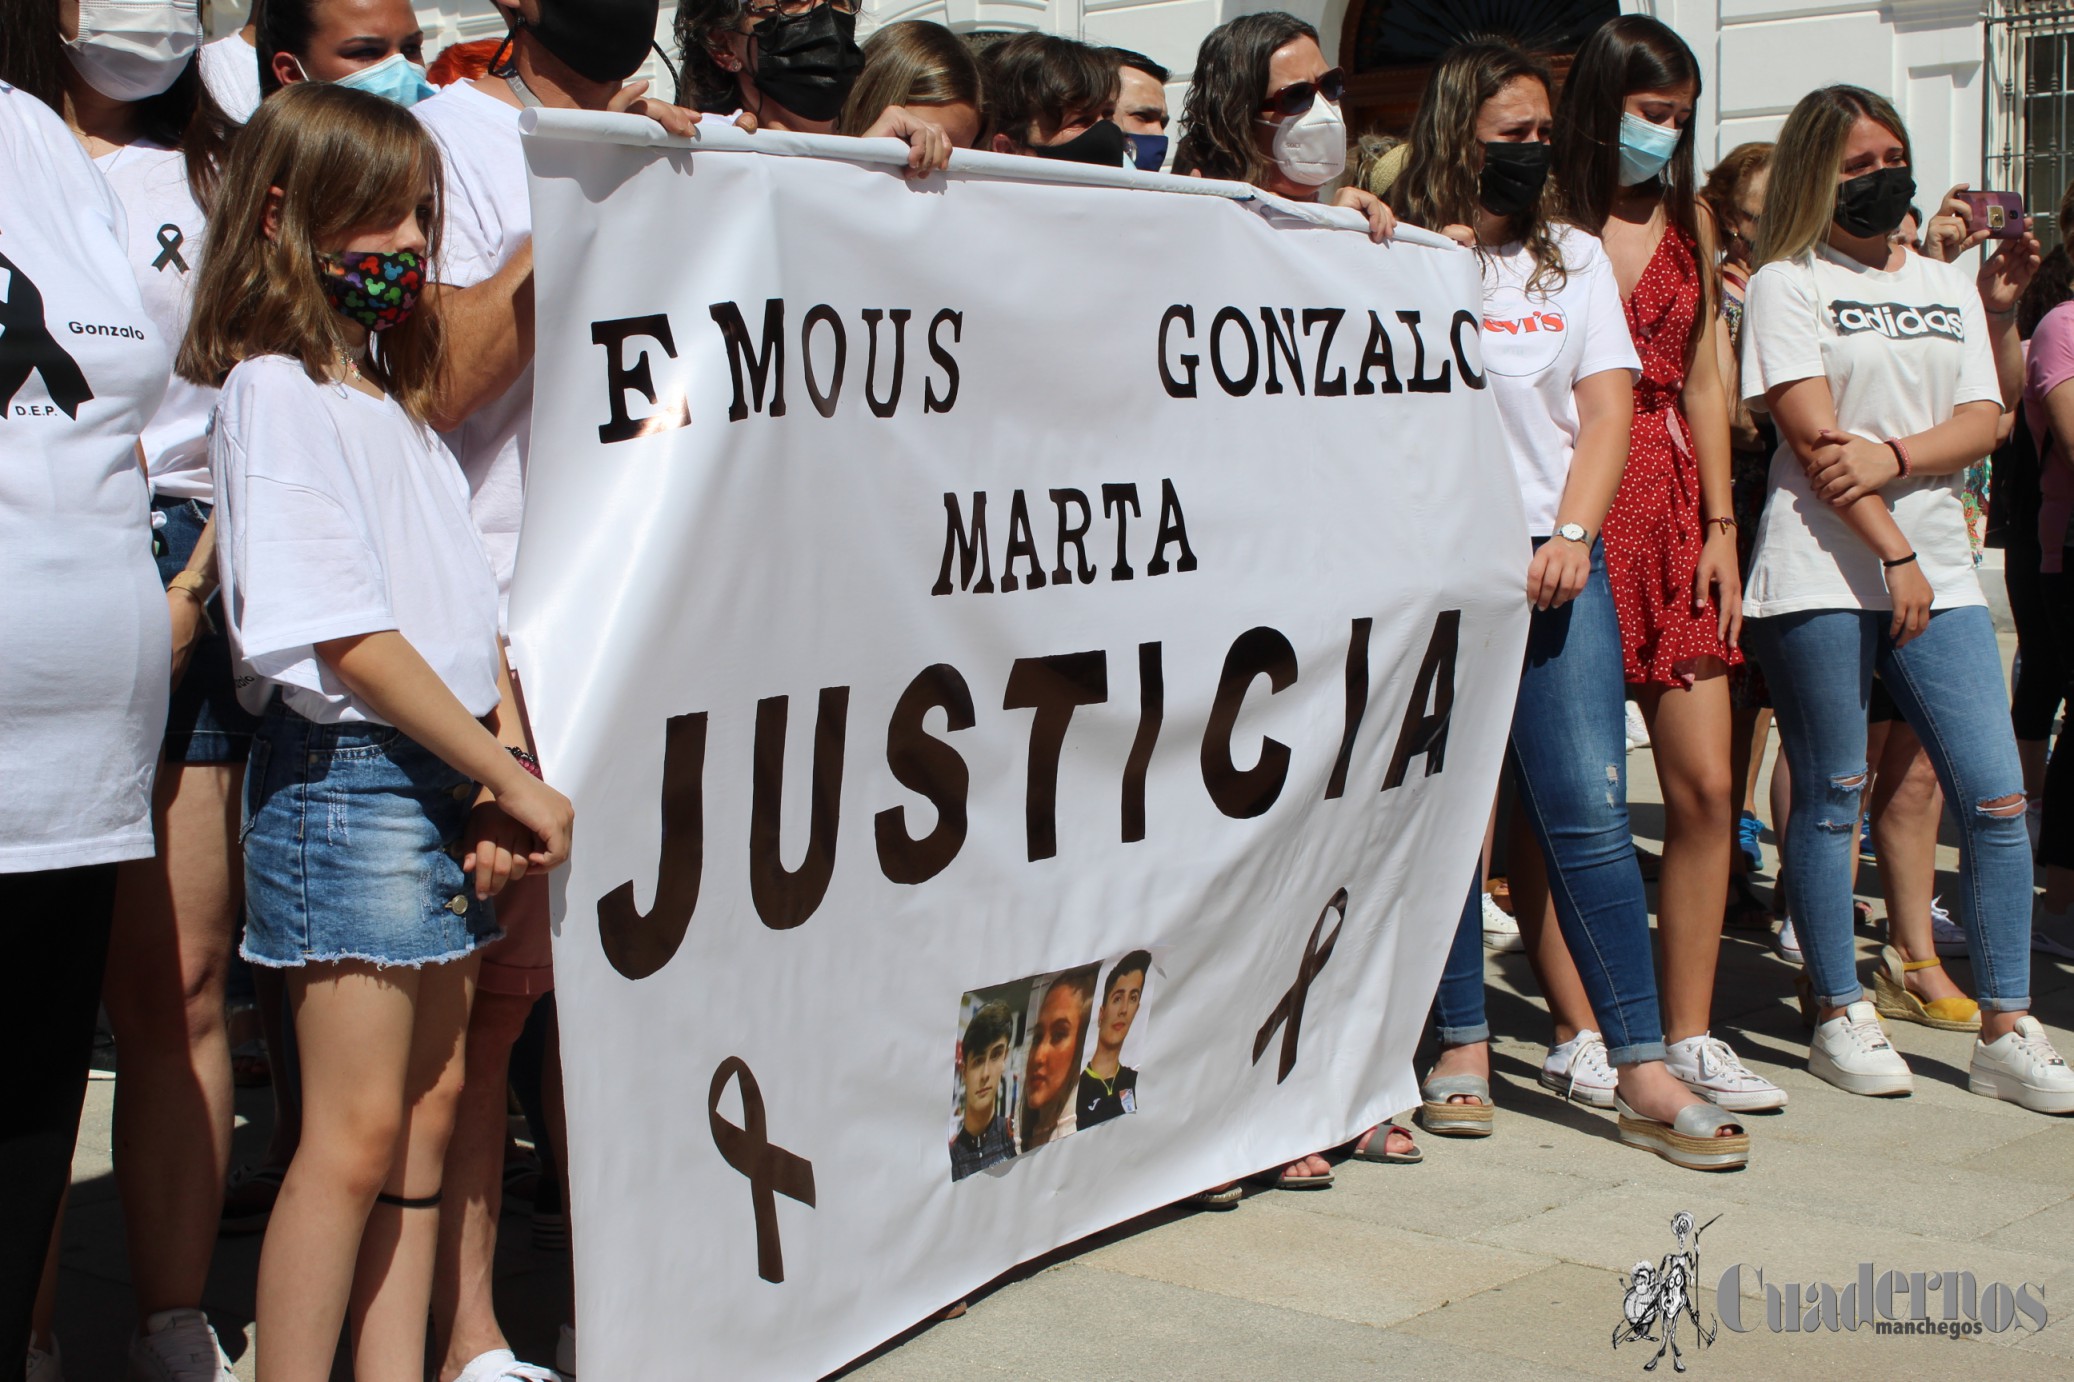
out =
column 461, row 62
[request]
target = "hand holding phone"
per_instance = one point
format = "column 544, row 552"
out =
column 1999, row 214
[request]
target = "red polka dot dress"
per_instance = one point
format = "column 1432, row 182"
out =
column 1653, row 535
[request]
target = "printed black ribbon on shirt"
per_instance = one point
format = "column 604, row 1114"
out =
column 26, row 346
column 169, row 248
column 1288, row 1014
column 772, row 1171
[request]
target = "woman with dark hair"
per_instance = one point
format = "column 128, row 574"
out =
column 1478, row 171
column 788, row 65
column 917, row 64
column 1877, row 367
column 127, row 85
column 371, row 45
column 1058, row 1032
column 1264, row 109
column 1624, row 172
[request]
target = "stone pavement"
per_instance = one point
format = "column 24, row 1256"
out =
column 1493, row 1259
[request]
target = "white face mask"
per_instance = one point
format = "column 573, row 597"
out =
column 1311, row 148
column 132, row 50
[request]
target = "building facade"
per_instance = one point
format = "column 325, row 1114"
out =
column 1984, row 93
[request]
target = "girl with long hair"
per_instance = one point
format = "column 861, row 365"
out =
column 1875, row 366
column 1478, row 170
column 1624, row 172
column 360, row 598
column 129, row 88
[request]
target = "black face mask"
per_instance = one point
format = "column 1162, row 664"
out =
column 1101, row 144
column 1513, row 176
column 601, row 40
column 1875, row 203
column 808, row 62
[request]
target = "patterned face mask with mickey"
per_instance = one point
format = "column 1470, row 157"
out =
column 377, row 288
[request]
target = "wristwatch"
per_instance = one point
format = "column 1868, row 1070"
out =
column 1574, row 532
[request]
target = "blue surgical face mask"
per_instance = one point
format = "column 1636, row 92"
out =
column 1644, row 148
column 1150, row 151
column 395, row 77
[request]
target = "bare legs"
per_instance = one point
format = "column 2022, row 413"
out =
column 463, row 1305
column 1689, row 736
column 382, row 1057
column 174, row 920
column 1906, row 805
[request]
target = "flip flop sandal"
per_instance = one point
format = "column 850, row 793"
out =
column 1222, row 1197
column 1437, row 1115
column 1378, row 1144
column 1283, row 1180
column 1691, row 1140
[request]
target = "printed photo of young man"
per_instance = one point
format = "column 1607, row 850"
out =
column 1108, row 1087
column 984, row 1136
column 1058, row 1034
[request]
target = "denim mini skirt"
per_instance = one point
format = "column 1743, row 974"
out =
column 353, row 842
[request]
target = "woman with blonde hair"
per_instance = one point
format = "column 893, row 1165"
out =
column 922, row 66
column 1479, row 170
column 391, row 794
column 1875, row 366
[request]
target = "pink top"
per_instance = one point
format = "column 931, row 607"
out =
column 2048, row 364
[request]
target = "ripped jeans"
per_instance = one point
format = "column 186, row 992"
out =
column 1569, row 754
column 1948, row 684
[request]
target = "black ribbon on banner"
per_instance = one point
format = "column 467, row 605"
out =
column 1288, row 1014
column 772, row 1171
column 170, row 239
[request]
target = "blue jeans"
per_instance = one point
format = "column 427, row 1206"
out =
column 1569, row 756
column 1948, row 684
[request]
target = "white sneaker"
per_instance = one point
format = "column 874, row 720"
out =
column 2052, row 933
column 1577, row 1069
column 42, row 1366
column 2023, row 1068
column 1852, row 1053
column 1710, row 1069
column 1638, row 728
column 178, row 1346
column 1787, row 942
column 1500, row 932
column 565, row 1352
column 502, row 1365
column 1946, row 935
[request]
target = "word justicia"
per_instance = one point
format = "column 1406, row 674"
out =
column 1893, row 1302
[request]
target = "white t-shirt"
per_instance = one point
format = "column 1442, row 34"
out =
column 488, row 217
column 1536, row 348
column 337, row 515
column 230, row 69
column 1901, row 351
column 84, row 642
column 166, row 229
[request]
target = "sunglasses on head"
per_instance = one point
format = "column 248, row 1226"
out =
column 1298, row 97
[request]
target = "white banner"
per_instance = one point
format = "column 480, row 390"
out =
column 933, row 595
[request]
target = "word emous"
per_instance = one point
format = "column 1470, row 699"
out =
column 756, row 363
column 1293, row 350
column 1052, row 687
